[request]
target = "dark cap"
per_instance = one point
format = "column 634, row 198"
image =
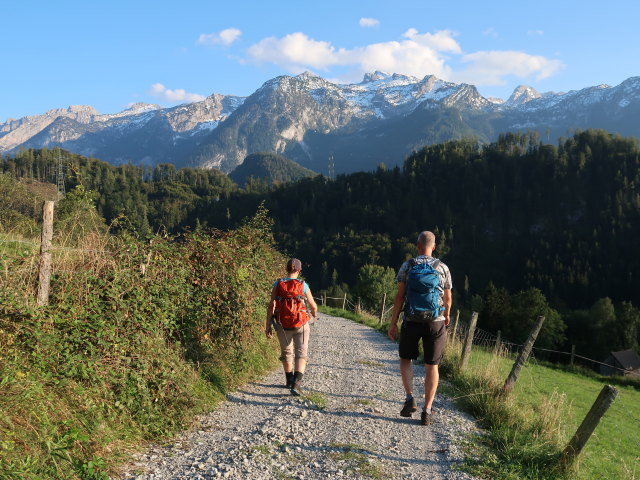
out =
column 294, row 265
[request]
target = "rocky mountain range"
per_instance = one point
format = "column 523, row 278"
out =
column 309, row 119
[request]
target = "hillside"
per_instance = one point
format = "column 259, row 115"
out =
column 270, row 168
column 519, row 222
column 139, row 336
column 151, row 198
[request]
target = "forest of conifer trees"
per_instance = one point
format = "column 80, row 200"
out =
column 517, row 221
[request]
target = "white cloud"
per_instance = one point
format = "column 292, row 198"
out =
column 409, row 57
column 441, row 41
column 223, row 37
column 369, row 22
column 535, row 33
column 417, row 54
column 490, row 67
column 295, row 52
column 490, row 32
column 179, row 95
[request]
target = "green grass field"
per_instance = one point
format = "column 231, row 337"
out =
column 564, row 397
column 613, row 452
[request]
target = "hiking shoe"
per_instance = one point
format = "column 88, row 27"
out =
column 408, row 408
column 289, row 384
column 426, row 418
column 296, row 390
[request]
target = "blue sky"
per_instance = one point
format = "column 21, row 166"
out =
column 110, row 54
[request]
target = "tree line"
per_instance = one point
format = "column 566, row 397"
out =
column 519, row 222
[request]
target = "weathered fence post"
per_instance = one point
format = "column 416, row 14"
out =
column 578, row 441
column 144, row 265
column 468, row 341
column 573, row 355
column 44, row 266
column 384, row 301
column 496, row 348
column 344, row 301
column 455, row 324
column 523, row 356
column 324, row 299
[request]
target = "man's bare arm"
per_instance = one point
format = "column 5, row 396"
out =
column 397, row 308
column 447, row 300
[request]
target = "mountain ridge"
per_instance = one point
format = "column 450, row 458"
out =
column 300, row 116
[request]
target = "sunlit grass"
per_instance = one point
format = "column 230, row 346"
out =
column 551, row 404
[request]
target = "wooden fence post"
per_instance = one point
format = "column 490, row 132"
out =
column 496, row 348
column 606, row 397
column 144, row 265
column 344, row 301
column 455, row 324
column 44, row 266
column 384, row 301
column 468, row 341
column 523, row 356
column 324, row 299
column 573, row 354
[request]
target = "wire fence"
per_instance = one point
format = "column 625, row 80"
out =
column 486, row 339
column 58, row 248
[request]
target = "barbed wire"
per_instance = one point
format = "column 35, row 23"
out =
column 487, row 339
column 27, row 242
column 484, row 338
column 71, row 249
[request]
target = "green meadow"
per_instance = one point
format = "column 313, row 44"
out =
column 613, row 452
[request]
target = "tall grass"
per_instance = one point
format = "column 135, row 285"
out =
column 528, row 429
column 138, row 337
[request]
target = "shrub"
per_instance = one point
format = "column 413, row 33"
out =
column 137, row 338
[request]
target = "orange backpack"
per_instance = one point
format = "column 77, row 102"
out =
column 291, row 310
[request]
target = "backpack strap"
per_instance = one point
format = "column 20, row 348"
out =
column 413, row 262
column 297, row 297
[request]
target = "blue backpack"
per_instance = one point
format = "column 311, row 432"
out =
column 423, row 291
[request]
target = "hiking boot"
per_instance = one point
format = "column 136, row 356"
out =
column 296, row 390
column 408, row 408
column 289, row 384
column 426, row 418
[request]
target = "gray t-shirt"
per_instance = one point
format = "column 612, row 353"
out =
column 441, row 268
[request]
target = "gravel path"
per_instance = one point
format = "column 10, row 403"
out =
column 347, row 425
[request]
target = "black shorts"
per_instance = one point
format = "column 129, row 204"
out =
column 434, row 339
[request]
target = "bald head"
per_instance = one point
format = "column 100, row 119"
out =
column 426, row 242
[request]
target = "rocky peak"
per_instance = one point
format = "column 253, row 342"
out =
column 82, row 109
column 140, row 107
column 522, row 94
column 306, row 75
column 375, row 76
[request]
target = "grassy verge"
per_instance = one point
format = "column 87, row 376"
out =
column 559, row 399
column 527, row 430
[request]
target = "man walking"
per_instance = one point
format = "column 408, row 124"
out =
column 424, row 288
